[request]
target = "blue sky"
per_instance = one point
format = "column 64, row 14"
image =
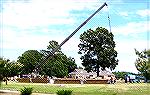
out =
column 31, row 24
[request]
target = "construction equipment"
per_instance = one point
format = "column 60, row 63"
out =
column 73, row 33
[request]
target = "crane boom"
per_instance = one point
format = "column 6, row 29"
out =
column 76, row 30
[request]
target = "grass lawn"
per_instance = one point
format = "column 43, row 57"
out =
column 85, row 89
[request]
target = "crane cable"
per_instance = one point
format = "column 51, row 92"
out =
column 109, row 19
column 148, row 35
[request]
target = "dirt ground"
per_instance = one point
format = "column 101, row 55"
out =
column 8, row 92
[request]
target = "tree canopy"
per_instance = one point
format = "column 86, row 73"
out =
column 59, row 65
column 9, row 68
column 2, row 68
column 52, row 45
column 142, row 63
column 29, row 59
column 121, row 75
column 97, row 49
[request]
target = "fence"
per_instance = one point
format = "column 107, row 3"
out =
column 63, row 81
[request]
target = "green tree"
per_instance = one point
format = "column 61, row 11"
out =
column 97, row 49
column 13, row 68
column 80, row 67
column 52, row 45
column 59, row 65
column 8, row 68
column 71, row 65
column 2, row 61
column 54, row 67
column 122, row 74
column 4, row 69
column 142, row 63
column 29, row 59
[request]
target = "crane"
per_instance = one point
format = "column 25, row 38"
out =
column 72, row 34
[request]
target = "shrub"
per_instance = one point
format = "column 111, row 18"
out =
column 64, row 92
column 114, row 94
column 26, row 91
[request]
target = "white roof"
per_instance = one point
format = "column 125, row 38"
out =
column 84, row 72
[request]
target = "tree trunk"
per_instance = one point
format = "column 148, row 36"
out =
column 6, row 80
column 146, row 77
column 97, row 67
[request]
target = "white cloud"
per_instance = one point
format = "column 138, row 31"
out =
column 27, row 15
column 43, row 12
column 30, row 14
column 126, row 53
column 126, row 66
column 20, row 18
column 13, row 39
column 132, row 27
column 125, row 14
column 143, row 13
column 125, row 47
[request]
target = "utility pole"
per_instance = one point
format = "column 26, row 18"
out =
column 75, row 31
